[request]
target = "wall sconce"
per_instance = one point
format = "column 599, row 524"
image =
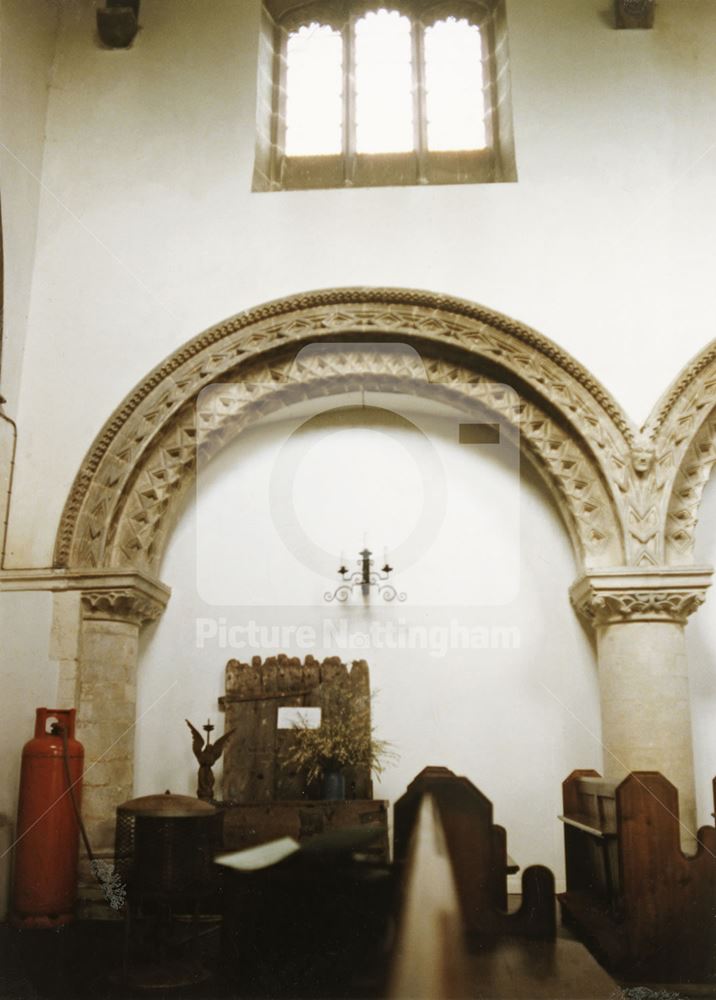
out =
column 117, row 23
column 364, row 577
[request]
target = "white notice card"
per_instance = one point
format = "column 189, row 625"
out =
column 254, row 858
column 290, row 716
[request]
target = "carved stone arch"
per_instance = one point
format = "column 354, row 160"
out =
column 683, row 431
column 122, row 503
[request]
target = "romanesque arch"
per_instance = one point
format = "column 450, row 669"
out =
column 628, row 498
column 122, row 503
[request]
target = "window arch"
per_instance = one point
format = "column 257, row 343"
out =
column 361, row 93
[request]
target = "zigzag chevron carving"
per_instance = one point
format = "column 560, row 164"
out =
column 617, row 489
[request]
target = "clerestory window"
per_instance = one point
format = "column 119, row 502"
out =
column 353, row 94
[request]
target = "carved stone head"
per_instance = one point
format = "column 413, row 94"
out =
column 642, row 457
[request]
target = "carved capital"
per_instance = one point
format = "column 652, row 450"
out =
column 116, row 594
column 125, row 596
column 125, row 604
column 663, row 594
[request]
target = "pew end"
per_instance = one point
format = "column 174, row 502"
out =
column 478, row 853
column 642, row 905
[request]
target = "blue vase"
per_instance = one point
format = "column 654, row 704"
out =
column 334, row 785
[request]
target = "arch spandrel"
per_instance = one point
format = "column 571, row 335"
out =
column 121, row 504
column 682, row 428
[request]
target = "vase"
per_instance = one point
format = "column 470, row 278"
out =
column 334, row 785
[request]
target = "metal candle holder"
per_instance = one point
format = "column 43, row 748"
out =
column 364, row 577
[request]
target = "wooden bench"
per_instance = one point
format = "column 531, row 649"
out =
column 478, row 854
column 434, row 959
column 642, row 905
column 430, row 960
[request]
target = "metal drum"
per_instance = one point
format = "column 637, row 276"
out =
column 165, row 846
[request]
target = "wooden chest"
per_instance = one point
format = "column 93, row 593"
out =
column 249, row 824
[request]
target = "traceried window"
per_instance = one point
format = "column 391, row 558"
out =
column 354, row 93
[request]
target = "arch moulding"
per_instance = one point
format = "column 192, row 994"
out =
column 628, row 498
column 125, row 496
column 682, row 434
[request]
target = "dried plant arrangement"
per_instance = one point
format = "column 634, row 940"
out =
column 342, row 740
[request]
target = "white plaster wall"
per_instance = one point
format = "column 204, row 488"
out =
column 151, row 232
column 148, row 232
column 27, row 38
column 516, row 720
column 29, row 681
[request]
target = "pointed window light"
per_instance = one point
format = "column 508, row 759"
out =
column 454, row 86
column 314, row 91
column 383, row 83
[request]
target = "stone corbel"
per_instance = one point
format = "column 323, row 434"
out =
column 626, row 594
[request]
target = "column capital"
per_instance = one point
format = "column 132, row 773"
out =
column 135, row 600
column 639, row 594
column 106, row 594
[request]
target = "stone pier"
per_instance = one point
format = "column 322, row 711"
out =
column 639, row 618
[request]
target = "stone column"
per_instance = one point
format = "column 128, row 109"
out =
column 113, row 609
column 97, row 615
column 639, row 617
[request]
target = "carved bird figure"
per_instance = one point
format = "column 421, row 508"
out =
column 207, row 754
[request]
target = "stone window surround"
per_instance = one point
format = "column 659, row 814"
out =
column 275, row 172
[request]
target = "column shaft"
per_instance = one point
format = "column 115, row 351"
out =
column 105, row 723
column 646, row 714
column 639, row 616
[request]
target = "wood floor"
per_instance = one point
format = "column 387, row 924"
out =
column 512, row 968
column 539, row 970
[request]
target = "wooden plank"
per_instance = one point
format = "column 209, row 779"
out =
column 288, row 782
column 583, row 823
column 243, row 681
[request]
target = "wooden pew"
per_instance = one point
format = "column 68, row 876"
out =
column 433, row 958
column 478, row 854
column 642, row 905
column 430, row 960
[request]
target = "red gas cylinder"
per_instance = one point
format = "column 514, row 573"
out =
column 47, row 843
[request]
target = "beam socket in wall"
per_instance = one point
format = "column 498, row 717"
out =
column 117, row 23
column 634, row 13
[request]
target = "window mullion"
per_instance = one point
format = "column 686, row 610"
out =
column 349, row 101
column 489, row 89
column 278, row 122
column 420, row 122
